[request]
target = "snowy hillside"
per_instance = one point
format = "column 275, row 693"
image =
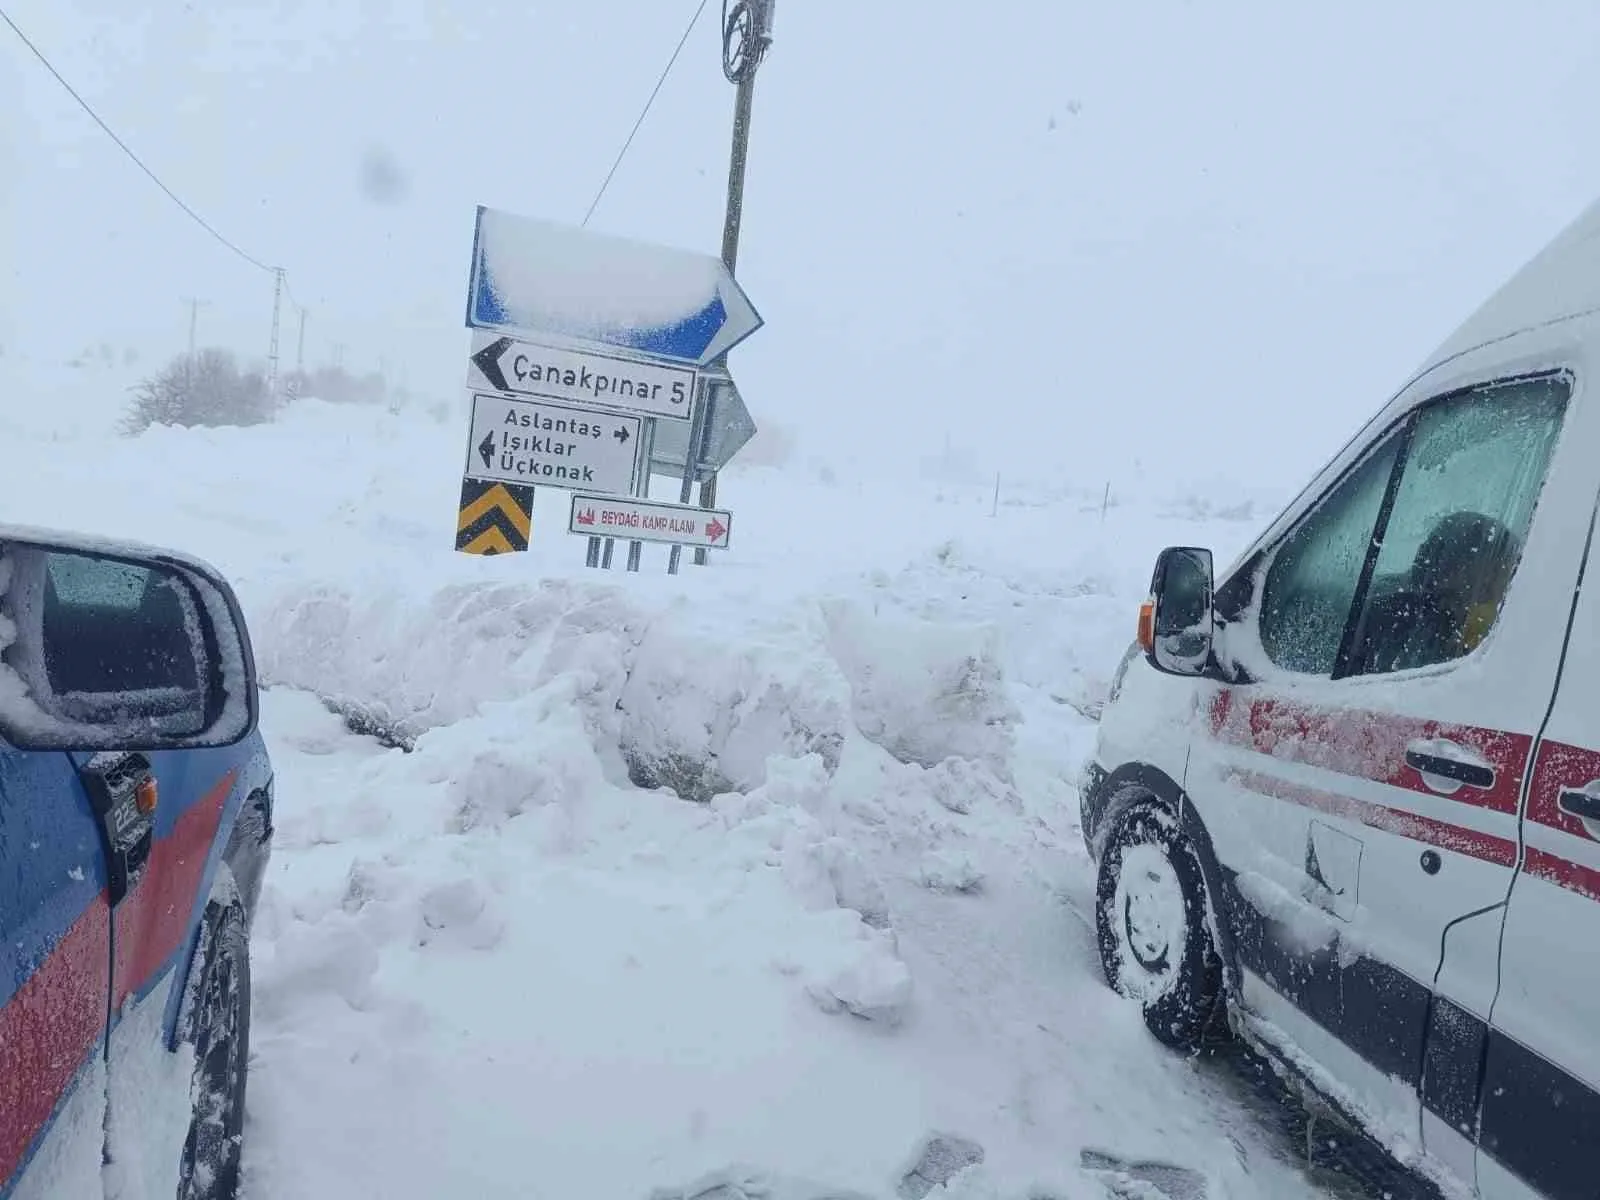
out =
column 496, row 965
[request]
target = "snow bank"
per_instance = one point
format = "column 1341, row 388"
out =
column 712, row 695
column 422, row 660
column 695, row 701
column 925, row 692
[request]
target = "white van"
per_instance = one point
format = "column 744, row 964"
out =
column 1346, row 797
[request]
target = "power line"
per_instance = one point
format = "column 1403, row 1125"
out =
column 667, row 70
column 123, row 146
column 289, row 293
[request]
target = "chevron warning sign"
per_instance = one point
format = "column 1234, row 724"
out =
column 495, row 518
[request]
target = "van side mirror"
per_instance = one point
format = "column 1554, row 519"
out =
column 1177, row 624
column 108, row 648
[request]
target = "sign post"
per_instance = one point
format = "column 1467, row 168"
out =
column 584, row 348
column 697, row 433
column 636, row 546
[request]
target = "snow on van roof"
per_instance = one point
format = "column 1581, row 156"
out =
column 1561, row 280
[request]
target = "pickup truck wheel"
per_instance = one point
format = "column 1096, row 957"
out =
column 213, row 1150
column 1151, row 915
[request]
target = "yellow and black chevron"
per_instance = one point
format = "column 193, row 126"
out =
column 495, row 518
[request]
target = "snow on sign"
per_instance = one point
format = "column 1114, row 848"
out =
column 648, row 521
column 652, row 389
column 540, row 278
column 554, row 445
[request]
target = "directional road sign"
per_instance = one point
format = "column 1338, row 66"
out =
column 730, row 427
column 494, row 518
column 652, row 389
column 649, row 521
column 537, row 442
column 538, row 278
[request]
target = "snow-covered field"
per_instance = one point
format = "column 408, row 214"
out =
column 493, row 964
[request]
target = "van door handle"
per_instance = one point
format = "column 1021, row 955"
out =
column 1446, row 760
column 1584, row 804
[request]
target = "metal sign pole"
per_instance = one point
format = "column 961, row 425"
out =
column 746, row 34
column 636, row 548
column 697, row 435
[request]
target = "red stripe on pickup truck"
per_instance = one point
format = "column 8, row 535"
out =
column 153, row 920
column 48, row 1029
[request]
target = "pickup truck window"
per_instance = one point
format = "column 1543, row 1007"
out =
column 78, row 581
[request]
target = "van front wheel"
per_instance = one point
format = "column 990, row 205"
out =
column 1151, row 914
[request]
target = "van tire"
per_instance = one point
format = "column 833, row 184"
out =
column 1152, row 918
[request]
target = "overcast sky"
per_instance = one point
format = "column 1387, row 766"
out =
column 1209, row 237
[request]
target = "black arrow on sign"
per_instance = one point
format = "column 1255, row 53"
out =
column 486, row 450
column 488, row 361
column 621, row 435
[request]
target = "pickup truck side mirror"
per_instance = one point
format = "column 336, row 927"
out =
column 104, row 647
column 1177, row 623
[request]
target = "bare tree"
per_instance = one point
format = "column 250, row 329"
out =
column 208, row 389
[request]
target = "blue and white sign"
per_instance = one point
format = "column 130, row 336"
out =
column 536, row 277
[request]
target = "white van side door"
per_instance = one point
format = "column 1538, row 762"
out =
column 1541, row 1075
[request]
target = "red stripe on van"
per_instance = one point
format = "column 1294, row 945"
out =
column 1562, row 872
column 1561, row 765
column 1455, row 838
column 1368, row 745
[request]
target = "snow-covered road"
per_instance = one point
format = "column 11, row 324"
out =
column 614, row 992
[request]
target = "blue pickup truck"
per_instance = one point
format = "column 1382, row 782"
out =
column 135, row 828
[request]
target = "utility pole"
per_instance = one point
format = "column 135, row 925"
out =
column 195, row 306
column 300, row 346
column 272, row 346
column 194, row 320
column 746, row 36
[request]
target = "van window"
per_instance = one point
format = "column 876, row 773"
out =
column 1311, row 584
column 1467, row 491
